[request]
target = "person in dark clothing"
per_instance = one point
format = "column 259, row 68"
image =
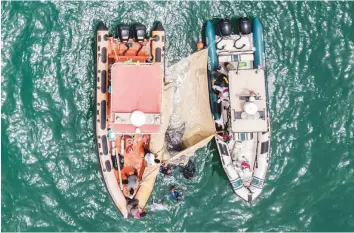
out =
column 175, row 194
column 131, row 193
column 220, row 89
column 121, row 161
column 166, row 168
column 188, row 170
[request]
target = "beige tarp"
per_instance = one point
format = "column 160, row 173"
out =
column 186, row 102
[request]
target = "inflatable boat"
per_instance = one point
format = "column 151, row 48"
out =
column 129, row 94
column 238, row 101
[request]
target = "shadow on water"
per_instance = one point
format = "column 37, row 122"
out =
column 50, row 177
column 216, row 165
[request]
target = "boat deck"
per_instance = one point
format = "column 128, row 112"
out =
column 241, row 83
column 144, row 93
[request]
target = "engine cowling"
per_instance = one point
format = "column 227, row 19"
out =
column 224, row 27
column 244, row 26
column 123, row 31
column 139, row 32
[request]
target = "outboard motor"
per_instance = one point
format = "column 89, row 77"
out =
column 139, row 32
column 224, row 27
column 244, row 26
column 123, row 32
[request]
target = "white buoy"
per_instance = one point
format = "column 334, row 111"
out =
column 250, row 107
column 137, row 118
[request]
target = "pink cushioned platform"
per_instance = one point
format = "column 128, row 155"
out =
column 136, row 87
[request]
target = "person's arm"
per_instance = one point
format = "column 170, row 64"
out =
column 135, row 191
column 125, row 191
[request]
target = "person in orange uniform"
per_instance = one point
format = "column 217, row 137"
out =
column 134, row 150
column 130, row 181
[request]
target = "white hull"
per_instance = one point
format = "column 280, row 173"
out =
column 247, row 185
column 243, row 137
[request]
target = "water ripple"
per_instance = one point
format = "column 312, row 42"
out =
column 50, row 173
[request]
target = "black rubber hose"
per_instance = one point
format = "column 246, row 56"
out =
column 221, row 38
column 141, row 46
column 238, row 40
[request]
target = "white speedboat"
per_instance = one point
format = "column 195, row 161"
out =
column 238, row 99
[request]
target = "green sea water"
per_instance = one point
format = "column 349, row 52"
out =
column 49, row 165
